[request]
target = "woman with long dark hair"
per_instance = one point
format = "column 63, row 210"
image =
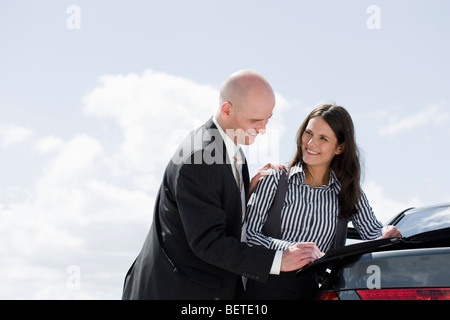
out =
column 323, row 183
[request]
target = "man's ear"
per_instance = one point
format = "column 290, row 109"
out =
column 225, row 110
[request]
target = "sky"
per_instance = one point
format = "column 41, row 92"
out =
column 95, row 95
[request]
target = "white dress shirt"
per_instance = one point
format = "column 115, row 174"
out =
column 232, row 148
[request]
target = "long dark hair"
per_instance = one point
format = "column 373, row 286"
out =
column 346, row 165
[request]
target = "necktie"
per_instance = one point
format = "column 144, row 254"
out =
column 240, row 183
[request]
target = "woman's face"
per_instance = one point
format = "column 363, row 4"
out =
column 319, row 143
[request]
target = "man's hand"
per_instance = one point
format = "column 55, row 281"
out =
column 299, row 255
column 262, row 172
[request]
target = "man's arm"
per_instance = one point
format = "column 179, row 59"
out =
column 199, row 193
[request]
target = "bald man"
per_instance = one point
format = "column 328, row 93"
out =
column 194, row 249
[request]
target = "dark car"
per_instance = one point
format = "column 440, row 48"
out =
column 414, row 267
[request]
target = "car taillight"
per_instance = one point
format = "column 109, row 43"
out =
column 327, row 296
column 405, row 294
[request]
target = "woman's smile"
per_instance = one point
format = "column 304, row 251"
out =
column 309, row 151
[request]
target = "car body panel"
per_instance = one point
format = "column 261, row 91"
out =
column 396, row 269
column 419, row 260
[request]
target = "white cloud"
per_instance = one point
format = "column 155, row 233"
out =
column 154, row 110
column 11, row 134
column 433, row 114
column 384, row 207
column 48, row 144
column 74, row 162
column 73, row 216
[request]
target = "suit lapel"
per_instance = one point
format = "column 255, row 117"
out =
column 221, row 147
column 211, row 127
column 245, row 174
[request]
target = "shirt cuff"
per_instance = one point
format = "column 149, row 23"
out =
column 276, row 265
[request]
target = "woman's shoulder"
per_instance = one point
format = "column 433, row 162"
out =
column 273, row 176
column 267, row 186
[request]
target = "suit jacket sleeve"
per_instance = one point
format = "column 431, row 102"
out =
column 199, row 195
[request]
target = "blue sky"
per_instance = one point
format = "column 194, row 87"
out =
column 91, row 110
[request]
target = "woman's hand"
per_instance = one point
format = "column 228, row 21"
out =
column 390, row 232
column 264, row 171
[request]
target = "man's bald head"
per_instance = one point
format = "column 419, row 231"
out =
column 246, row 104
column 239, row 85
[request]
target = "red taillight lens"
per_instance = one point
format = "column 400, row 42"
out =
column 327, row 296
column 405, row 294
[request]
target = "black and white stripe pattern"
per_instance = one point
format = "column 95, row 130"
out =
column 308, row 215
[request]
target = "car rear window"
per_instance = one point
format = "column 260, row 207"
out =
column 424, row 219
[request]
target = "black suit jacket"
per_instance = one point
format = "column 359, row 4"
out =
column 193, row 249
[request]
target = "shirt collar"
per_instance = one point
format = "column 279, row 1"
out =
column 297, row 170
column 231, row 147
